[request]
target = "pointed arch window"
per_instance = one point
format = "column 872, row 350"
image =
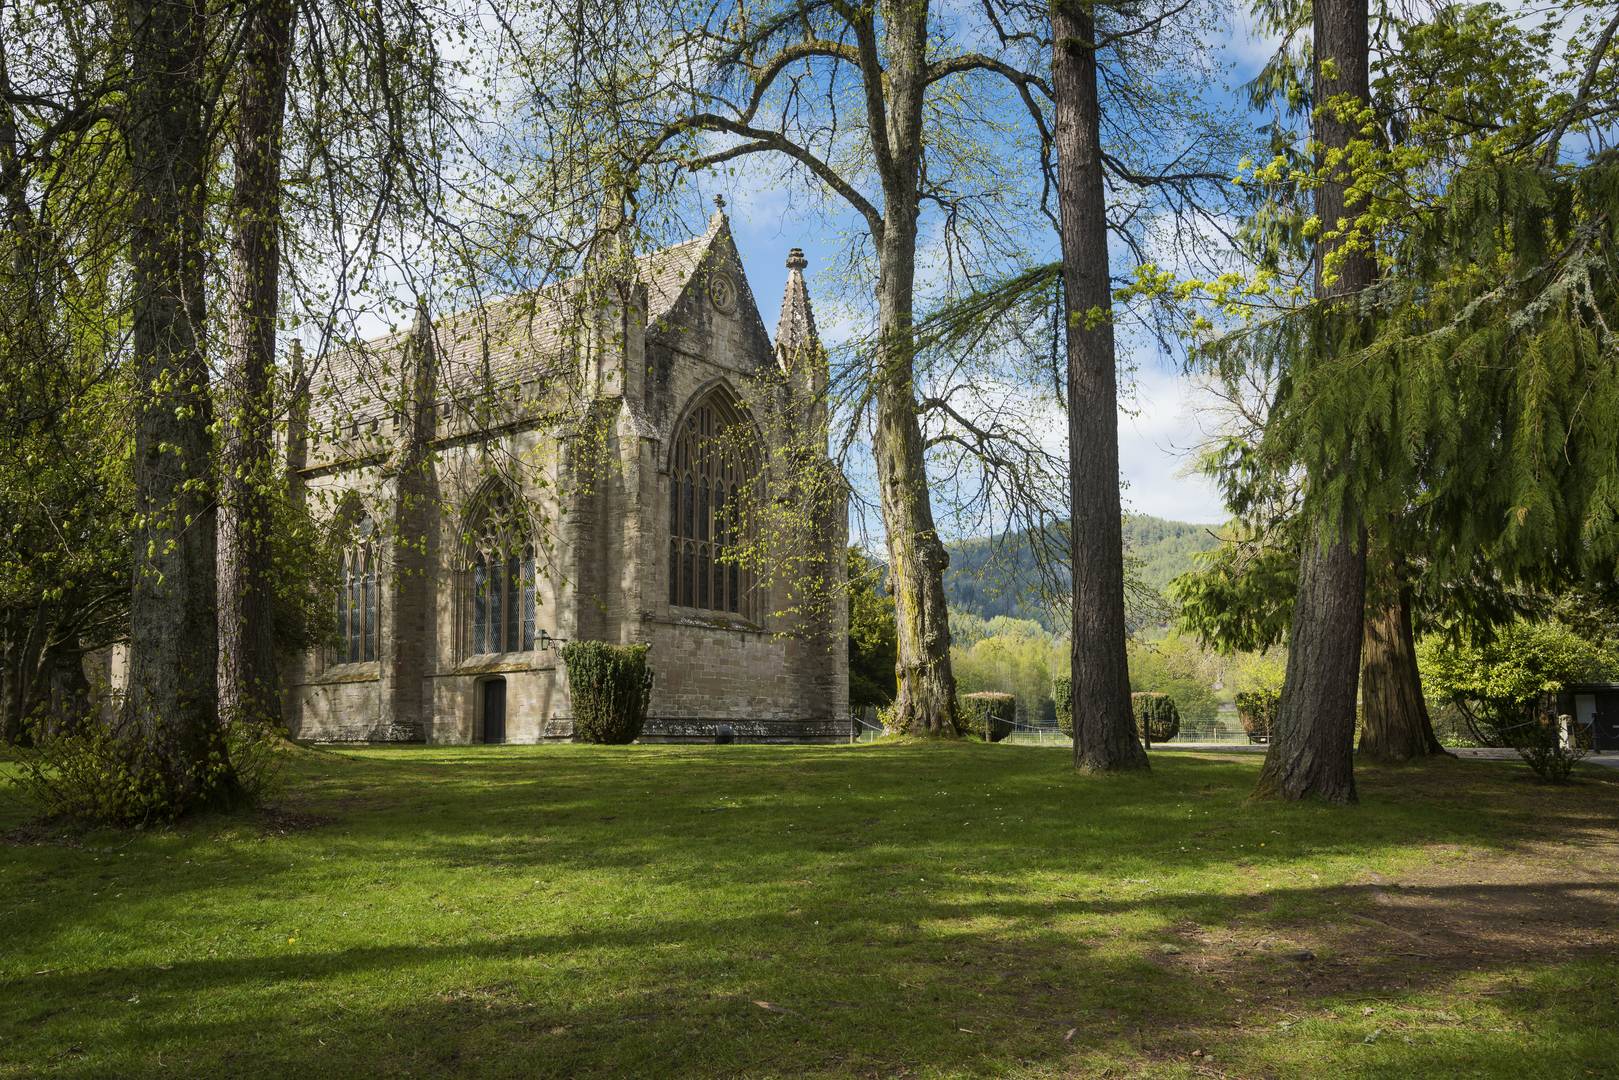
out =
column 357, row 597
column 713, row 462
column 500, row 580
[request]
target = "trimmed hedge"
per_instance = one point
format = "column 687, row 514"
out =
column 611, row 686
column 1158, row 718
column 1062, row 692
column 1257, row 711
column 989, row 714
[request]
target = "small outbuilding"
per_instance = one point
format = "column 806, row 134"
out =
column 1593, row 707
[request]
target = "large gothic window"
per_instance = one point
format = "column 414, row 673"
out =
column 713, row 465
column 500, row 580
column 357, row 598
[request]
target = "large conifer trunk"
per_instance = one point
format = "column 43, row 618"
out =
column 1395, row 725
column 1311, row 753
column 249, row 683
column 171, row 711
column 1104, row 728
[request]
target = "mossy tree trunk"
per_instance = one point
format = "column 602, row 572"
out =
column 249, row 681
column 926, row 704
column 1104, row 725
column 171, row 720
column 916, row 557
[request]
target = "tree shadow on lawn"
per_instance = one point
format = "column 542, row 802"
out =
column 881, row 995
column 895, row 912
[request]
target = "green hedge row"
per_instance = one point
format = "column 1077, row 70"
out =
column 988, row 715
column 1257, row 711
column 1156, row 714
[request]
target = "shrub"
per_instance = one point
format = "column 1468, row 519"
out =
column 988, row 714
column 1505, row 687
column 1257, row 711
column 611, row 686
column 89, row 774
column 1062, row 692
column 1157, row 718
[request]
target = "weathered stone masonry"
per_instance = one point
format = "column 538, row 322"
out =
column 421, row 433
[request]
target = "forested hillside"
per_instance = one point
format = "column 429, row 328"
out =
column 989, row 578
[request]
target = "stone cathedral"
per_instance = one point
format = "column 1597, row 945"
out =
column 477, row 532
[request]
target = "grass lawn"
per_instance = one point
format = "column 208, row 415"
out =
column 887, row 910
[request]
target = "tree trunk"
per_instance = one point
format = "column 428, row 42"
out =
column 1395, row 725
column 1311, row 753
column 1104, row 727
column 917, row 558
column 171, row 722
column 249, row 683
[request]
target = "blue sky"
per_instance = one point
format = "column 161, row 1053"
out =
column 1158, row 421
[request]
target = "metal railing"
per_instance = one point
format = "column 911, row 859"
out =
column 1202, row 732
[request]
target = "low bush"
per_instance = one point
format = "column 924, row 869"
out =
column 1157, row 718
column 988, row 715
column 1505, row 687
column 1257, row 711
column 611, row 686
column 1062, row 693
column 89, row 774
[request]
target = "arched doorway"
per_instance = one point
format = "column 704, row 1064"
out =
column 492, row 711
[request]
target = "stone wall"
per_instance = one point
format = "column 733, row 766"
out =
column 600, row 502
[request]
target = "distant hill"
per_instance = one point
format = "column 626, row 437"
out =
column 990, row 578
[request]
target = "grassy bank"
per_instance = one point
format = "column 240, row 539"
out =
column 778, row 911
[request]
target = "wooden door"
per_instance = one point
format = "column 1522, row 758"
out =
column 494, row 711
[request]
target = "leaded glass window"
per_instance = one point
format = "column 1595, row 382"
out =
column 714, row 459
column 357, row 598
column 500, row 580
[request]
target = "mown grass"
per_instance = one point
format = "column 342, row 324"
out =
column 783, row 911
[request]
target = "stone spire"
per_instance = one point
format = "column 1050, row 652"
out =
column 610, row 246
column 795, row 332
column 717, row 220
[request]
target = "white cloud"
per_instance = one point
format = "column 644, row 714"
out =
column 1158, row 432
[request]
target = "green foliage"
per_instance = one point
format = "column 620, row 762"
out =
column 1506, row 686
column 65, row 509
column 988, row 715
column 90, row 773
column 1259, row 671
column 611, row 687
column 1176, row 665
column 1238, row 595
column 1257, row 710
column 305, row 555
column 1000, row 577
column 1062, row 692
column 873, row 634
column 1006, row 655
column 1156, row 716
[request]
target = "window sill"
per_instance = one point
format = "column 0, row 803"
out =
column 494, row 663
column 714, row 620
column 357, row 671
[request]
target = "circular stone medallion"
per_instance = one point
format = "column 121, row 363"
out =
column 722, row 291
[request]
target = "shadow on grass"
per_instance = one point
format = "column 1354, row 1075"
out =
column 571, row 911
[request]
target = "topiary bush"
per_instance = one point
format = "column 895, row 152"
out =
column 988, row 714
column 1257, row 711
column 1158, row 719
column 611, row 686
column 1062, row 693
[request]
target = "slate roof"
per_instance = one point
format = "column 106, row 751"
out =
column 505, row 342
